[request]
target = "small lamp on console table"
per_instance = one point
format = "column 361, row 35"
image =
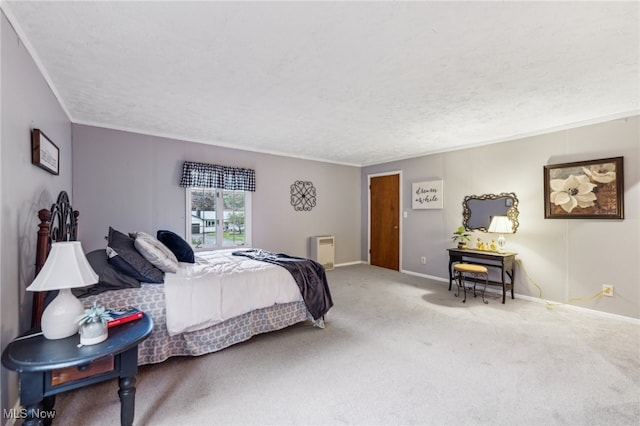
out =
column 501, row 225
column 66, row 267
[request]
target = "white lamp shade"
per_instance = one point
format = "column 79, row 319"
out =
column 501, row 225
column 66, row 267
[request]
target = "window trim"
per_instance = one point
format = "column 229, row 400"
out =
column 219, row 226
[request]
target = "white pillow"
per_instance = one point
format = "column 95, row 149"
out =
column 155, row 252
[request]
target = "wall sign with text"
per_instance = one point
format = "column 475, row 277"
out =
column 427, row 195
column 44, row 153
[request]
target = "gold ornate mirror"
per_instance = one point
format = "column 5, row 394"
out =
column 479, row 209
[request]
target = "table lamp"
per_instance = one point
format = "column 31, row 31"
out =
column 66, row 267
column 501, row 225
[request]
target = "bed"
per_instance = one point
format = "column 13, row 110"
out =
column 195, row 309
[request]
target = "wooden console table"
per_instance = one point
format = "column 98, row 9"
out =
column 504, row 261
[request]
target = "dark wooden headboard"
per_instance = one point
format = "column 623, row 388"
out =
column 60, row 223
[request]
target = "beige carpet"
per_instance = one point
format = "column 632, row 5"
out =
column 397, row 350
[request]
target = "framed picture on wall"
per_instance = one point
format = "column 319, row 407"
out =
column 44, row 153
column 584, row 190
column 427, row 195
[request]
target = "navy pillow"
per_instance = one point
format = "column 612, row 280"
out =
column 128, row 261
column 179, row 247
column 109, row 277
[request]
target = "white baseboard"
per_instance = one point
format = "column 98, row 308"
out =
column 538, row 300
column 430, row 277
column 357, row 262
column 630, row 320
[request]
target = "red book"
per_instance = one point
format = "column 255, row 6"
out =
column 123, row 315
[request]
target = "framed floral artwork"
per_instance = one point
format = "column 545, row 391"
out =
column 584, row 190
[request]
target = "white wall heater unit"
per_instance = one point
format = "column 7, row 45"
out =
column 322, row 250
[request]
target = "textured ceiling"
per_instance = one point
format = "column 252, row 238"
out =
column 346, row 82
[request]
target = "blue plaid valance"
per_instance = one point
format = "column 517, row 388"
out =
column 203, row 175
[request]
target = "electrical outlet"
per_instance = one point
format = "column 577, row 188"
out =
column 607, row 290
column 423, row 260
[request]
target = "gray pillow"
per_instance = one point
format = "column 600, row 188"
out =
column 125, row 258
column 155, row 252
column 109, row 278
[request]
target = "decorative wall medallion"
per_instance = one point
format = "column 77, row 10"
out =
column 303, row 195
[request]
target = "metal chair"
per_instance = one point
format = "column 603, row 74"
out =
column 473, row 271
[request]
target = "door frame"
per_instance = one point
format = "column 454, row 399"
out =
column 400, row 214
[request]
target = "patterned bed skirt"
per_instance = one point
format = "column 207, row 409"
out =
column 160, row 345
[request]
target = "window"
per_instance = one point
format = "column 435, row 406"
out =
column 218, row 204
column 218, row 218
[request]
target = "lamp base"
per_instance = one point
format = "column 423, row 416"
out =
column 501, row 242
column 59, row 320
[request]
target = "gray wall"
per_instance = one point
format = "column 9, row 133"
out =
column 27, row 102
column 130, row 181
column 567, row 258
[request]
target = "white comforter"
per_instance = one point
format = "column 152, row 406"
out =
column 220, row 286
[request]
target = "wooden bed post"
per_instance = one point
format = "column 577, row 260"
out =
column 60, row 223
column 74, row 229
column 42, row 251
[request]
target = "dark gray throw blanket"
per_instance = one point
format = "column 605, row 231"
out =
column 307, row 273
